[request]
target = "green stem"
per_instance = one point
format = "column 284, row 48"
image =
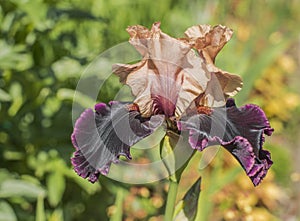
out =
column 169, row 159
column 119, row 205
column 170, row 205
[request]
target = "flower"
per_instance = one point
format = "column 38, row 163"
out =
column 176, row 80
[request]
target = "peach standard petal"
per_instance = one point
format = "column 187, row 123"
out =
column 172, row 75
column 170, row 71
column 208, row 39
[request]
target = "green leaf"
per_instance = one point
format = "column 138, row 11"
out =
column 16, row 94
column 56, row 187
column 51, row 106
column 14, row 57
column 218, row 178
column 57, row 215
column 191, row 200
column 40, row 210
column 223, row 177
column 187, row 207
column 117, row 216
column 84, row 184
column 20, row 188
column 282, row 171
column 207, row 156
column 76, row 96
column 36, row 11
column 4, row 96
column 4, row 175
column 66, row 68
column 6, row 212
column 261, row 62
column 167, row 156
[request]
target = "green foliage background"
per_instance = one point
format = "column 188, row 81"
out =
column 45, row 45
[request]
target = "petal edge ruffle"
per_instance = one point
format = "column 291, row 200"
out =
column 239, row 130
column 101, row 136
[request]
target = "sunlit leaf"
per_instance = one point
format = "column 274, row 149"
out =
column 217, row 179
column 6, row 212
column 117, row 216
column 14, row 57
column 66, row 68
column 57, row 215
column 84, row 184
column 8, row 21
column 263, row 60
column 167, row 156
column 40, row 210
column 20, row 188
column 56, row 187
column 17, row 98
column 207, row 156
column 13, row 155
column 282, row 170
column 4, row 175
column 51, row 106
column 36, row 11
column 4, row 96
column 69, row 94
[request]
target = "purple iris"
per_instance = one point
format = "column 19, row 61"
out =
column 176, row 81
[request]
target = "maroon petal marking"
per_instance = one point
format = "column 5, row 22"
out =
column 101, row 136
column 239, row 130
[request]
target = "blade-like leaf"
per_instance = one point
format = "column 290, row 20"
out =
column 117, row 216
column 4, row 96
column 262, row 61
column 40, row 209
column 167, row 156
column 187, row 207
column 6, row 212
column 56, row 187
column 20, row 188
column 191, row 200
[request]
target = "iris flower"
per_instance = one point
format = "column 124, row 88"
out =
column 177, row 82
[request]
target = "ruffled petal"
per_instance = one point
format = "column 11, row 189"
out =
column 101, row 136
column 240, row 130
column 208, row 39
column 169, row 77
column 122, row 70
column 221, row 85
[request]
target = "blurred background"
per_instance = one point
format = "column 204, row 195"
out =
column 45, row 45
